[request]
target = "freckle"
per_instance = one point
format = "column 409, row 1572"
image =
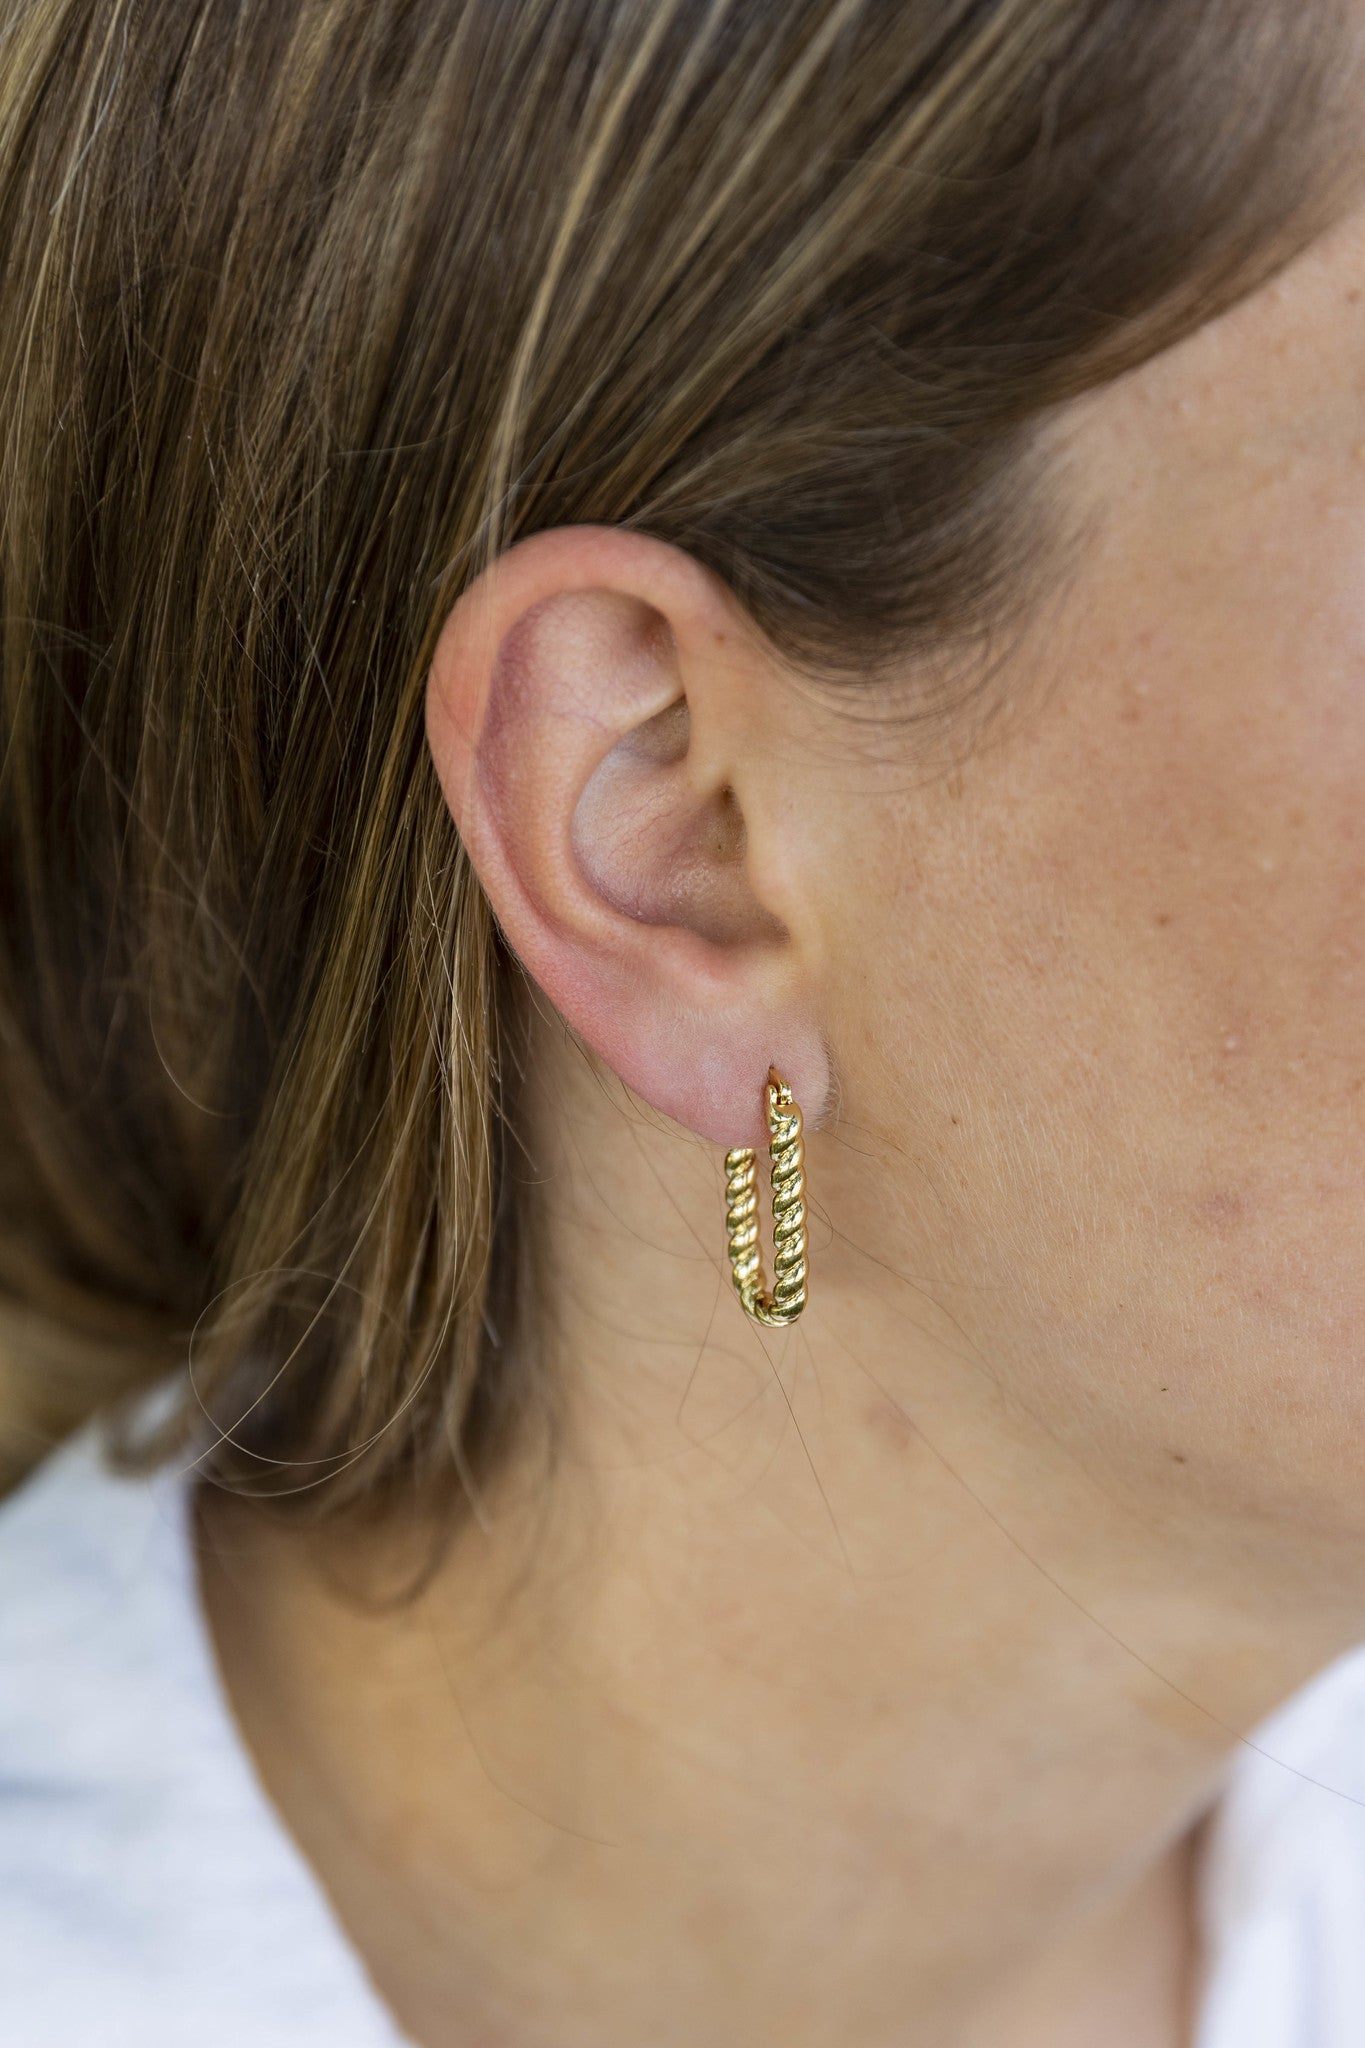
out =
column 953, row 1120
column 1220, row 1209
column 1163, row 917
column 891, row 1421
column 1180, row 1458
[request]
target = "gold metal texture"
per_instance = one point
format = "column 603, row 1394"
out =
column 787, row 1158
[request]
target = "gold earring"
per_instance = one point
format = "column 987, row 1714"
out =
column 787, row 1155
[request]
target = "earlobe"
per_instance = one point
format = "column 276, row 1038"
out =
column 594, row 714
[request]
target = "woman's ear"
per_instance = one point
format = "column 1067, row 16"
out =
column 606, row 726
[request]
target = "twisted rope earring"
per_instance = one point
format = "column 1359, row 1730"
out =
column 787, row 1156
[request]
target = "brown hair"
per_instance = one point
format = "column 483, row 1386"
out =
column 311, row 306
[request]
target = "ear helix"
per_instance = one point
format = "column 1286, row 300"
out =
column 787, row 1154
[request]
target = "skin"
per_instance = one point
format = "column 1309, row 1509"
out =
column 868, row 1682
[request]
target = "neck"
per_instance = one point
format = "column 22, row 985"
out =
column 804, row 1694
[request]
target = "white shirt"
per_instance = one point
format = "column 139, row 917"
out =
column 151, row 1897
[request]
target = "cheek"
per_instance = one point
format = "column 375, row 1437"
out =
column 1214, row 888
column 1124, row 996
column 1216, row 845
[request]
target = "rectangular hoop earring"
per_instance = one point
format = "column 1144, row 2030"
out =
column 787, row 1159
